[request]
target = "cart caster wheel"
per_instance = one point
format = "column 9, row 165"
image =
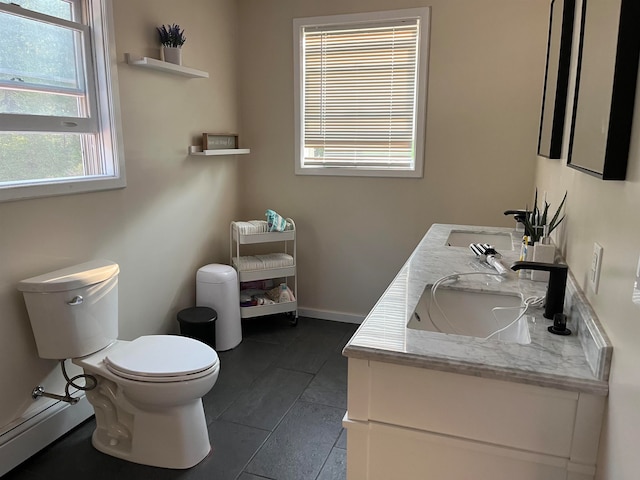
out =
column 293, row 321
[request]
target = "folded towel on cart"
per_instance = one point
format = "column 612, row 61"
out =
column 276, row 260
column 262, row 262
column 252, row 227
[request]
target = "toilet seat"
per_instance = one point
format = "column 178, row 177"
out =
column 162, row 358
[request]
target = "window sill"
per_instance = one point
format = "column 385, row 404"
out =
column 67, row 187
column 358, row 172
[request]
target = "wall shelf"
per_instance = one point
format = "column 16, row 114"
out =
column 196, row 150
column 153, row 64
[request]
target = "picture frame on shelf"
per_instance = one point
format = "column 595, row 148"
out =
column 219, row 141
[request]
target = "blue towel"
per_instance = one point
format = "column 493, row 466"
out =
column 276, row 222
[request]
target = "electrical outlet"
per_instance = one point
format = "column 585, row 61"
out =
column 596, row 265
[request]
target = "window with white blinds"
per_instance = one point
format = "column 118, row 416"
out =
column 360, row 93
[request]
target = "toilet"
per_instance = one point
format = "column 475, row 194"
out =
column 148, row 396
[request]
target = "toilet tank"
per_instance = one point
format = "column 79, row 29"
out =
column 73, row 311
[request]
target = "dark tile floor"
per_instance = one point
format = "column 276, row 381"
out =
column 274, row 413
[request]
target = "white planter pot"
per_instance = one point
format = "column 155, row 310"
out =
column 171, row 55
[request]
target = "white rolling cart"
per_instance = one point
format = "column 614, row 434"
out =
column 281, row 264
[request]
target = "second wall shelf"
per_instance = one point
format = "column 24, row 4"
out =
column 196, row 150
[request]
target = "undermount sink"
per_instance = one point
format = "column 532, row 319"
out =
column 472, row 314
column 499, row 240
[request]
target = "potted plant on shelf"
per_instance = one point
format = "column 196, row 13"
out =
column 171, row 39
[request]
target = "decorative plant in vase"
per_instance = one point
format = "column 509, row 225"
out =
column 535, row 221
column 172, row 39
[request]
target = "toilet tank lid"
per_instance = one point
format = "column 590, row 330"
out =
column 71, row 278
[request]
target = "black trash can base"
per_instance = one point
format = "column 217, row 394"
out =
column 199, row 323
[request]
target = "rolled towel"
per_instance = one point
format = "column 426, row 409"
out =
column 247, row 263
column 275, row 260
column 260, row 226
column 275, row 221
column 252, row 227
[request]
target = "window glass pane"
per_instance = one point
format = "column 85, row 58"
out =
column 55, row 8
column 39, row 56
column 47, row 74
column 40, row 156
column 36, row 103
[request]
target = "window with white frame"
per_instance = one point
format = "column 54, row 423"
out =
column 360, row 93
column 59, row 112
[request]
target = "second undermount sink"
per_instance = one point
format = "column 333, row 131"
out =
column 472, row 314
column 499, row 240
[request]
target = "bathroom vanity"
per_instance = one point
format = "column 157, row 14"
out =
column 425, row 404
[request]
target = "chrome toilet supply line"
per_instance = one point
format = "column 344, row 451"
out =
column 39, row 391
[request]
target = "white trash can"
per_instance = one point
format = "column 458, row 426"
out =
column 217, row 288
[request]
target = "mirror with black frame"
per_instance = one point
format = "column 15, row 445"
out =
column 605, row 88
column 556, row 79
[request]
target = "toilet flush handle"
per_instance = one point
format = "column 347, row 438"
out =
column 77, row 300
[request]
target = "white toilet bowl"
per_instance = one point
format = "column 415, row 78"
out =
column 148, row 400
column 148, row 394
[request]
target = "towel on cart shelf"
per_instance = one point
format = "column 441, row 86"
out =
column 262, row 262
column 276, row 260
column 247, row 262
column 253, row 227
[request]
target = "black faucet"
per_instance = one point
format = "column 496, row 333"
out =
column 519, row 215
column 554, row 302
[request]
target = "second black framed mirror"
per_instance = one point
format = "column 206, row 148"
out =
column 605, row 88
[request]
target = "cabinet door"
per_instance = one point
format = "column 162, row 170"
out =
column 402, row 453
column 514, row 415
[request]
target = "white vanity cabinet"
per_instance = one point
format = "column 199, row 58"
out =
column 405, row 422
column 428, row 405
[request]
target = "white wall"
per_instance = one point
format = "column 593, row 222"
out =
column 487, row 62
column 607, row 213
column 485, row 82
column 172, row 217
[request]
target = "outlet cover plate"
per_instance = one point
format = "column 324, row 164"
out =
column 596, row 265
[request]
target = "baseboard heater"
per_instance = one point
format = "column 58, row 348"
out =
column 27, row 437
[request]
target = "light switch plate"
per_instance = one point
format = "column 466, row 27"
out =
column 596, row 265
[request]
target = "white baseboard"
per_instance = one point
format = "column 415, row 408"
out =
column 35, row 433
column 329, row 315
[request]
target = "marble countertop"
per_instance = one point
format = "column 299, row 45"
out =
column 579, row 362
